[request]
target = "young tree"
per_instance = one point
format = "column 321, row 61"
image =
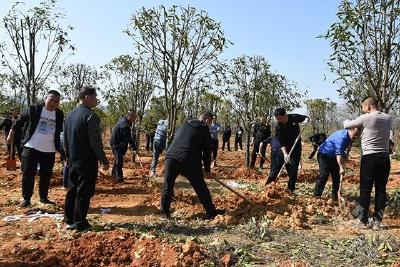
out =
column 181, row 42
column 253, row 91
column 322, row 113
column 129, row 83
column 71, row 79
column 366, row 50
column 35, row 40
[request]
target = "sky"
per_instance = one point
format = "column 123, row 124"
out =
column 284, row 32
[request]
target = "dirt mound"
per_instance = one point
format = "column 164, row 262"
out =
column 114, row 248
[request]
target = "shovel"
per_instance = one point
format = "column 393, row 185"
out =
column 340, row 197
column 11, row 164
column 231, row 189
column 290, row 154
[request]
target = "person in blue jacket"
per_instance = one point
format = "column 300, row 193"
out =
column 331, row 158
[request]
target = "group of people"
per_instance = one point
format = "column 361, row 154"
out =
column 191, row 153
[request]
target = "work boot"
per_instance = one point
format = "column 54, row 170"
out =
column 25, row 203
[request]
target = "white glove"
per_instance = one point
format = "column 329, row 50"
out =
column 286, row 158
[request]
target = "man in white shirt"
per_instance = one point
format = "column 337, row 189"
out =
column 44, row 122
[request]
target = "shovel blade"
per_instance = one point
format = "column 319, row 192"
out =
column 11, row 165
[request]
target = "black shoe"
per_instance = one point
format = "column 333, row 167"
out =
column 216, row 212
column 25, row 203
column 83, row 229
column 46, row 201
column 120, row 180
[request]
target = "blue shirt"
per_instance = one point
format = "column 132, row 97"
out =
column 336, row 144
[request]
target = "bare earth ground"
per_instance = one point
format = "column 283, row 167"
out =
column 277, row 229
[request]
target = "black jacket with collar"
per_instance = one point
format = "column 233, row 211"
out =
column 30, row 119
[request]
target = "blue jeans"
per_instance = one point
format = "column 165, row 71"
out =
column 157, row 150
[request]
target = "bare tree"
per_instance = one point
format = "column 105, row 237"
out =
column 34, row 43
column 71, row 79
column 181, row 42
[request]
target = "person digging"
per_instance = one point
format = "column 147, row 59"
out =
column 190, row 149
column 288, row 133
column 331, row 159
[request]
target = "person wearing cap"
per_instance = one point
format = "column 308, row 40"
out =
column 287, row 130
column 331, row 158
column 261, row 131
column 189, row 150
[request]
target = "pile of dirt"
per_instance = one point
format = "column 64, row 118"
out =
column 116, row 248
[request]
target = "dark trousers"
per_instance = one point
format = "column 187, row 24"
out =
column 214, row 148
column 30, row 159
column 118, row 163
column 255, row 151
column 238, row 141
column 81, row 187
column 157, row 150
column 293, row 168
column 227, row 142
column 327, row 165
column 194, row 174
column 149, row 142
column 315, row 149
column 276, row 164
column 375, row 169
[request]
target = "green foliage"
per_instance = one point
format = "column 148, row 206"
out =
column 366, row 49
column 322, row 113
column 129, row 83
column 71, row 79
column 254, row 91
column 155, row 113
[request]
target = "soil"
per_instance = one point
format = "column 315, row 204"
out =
column 273, row 227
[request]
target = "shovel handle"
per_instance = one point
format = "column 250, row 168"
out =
column 232, row 190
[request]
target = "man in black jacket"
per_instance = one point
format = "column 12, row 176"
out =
column 190, row 147
column 261, row 131
column 226, row 137
column 120, row 138
column 287, row 131
column 84, row 149
column 44, row 122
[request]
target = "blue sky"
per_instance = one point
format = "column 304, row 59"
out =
column 282, row 31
